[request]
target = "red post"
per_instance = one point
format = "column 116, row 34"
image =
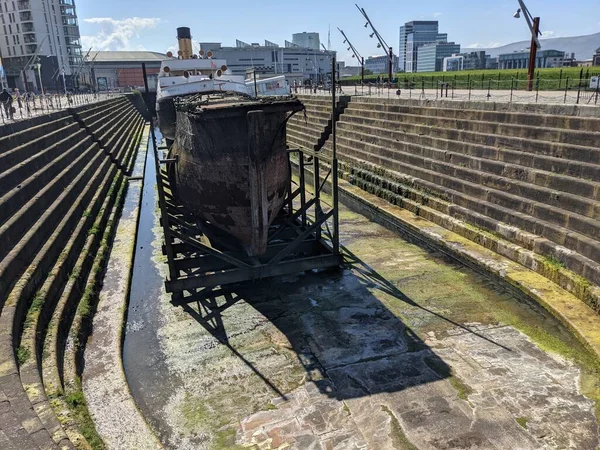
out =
column 533, row 53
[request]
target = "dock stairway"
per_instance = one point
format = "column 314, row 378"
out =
column 61, row 184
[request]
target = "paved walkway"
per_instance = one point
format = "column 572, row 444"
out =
column 47, row 104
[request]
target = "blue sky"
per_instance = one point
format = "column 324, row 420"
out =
column 151, row 24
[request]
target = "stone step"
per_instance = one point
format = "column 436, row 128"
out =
column 70, row 265
column 118, row 136
column 86, row 111
column 113, row 130
column 493, row 235
column 536, row 133
column 38, row 127
column 429, row 194
column 539, row 220
column 71, row 206
column 24, row 241
column 539, row 119
column 129, row 158
column 62, row 315
column 95, row 122
column 302, row 139
column 556, row 149
column 127, row 146
column 580, row 196
column 23, row 205
column 112, row 122
column 40, row 164
column 309, row 130
column 539, row 163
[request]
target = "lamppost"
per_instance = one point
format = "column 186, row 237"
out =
column 534, row 26
column 38, row 66
column 381, row 44
column 356, row 55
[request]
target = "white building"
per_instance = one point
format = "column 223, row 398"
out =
column 272, row 59
column 307, row 40
column 43, row 32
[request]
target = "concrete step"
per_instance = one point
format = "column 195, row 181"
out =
column 23, row 241
column 580, row 196
column 40, row 164
column 301, row 138
column 538, row 218
column 555, row 149
column 309, row 130
column 544, row 120
column 37, row 127
column 23, row 205
column 112, row 121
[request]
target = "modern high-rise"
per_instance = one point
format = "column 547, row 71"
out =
column 39, row 38
column 414, row 35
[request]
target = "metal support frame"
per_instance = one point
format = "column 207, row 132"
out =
column 304, row 236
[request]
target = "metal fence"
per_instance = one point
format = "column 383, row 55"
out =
column 573, row 92
column 29, row 105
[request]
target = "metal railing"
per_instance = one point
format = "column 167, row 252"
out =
column 30, row 105
column 512, row 91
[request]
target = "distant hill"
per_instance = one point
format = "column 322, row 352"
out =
column 583, row 46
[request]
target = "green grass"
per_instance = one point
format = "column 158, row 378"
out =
column 78, row 407
column 549, row 79
column 554, row 263
column 23, row 354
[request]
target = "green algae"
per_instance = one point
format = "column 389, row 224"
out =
column 399, row 439
column 522, row 421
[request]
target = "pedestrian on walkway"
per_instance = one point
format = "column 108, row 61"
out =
column 6, row 100
column 18, row 96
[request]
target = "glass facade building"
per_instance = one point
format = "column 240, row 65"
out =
column 412, row 36
column 430, row 57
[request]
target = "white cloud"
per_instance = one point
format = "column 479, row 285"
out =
column 548, row 34
column 475, row 45
column 437, row 14
column 116, row 34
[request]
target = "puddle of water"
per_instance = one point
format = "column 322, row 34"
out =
column 143, row 361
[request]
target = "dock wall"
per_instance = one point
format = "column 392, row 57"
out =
column 520, row 180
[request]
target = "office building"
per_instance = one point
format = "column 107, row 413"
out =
column 380, row 64
column 110, row 70
column 412, row 36
column 270, row 58
column 40, row 38
column 430, row 57
column 307, row 40
column 520, row 60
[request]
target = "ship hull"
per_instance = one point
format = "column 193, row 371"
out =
column 232, row 167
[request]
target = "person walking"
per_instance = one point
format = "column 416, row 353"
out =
column 19, row 100
column 6, row 100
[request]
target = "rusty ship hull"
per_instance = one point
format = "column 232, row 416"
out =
column 232, row 166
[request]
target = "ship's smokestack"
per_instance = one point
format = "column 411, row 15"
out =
column 184, row 38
